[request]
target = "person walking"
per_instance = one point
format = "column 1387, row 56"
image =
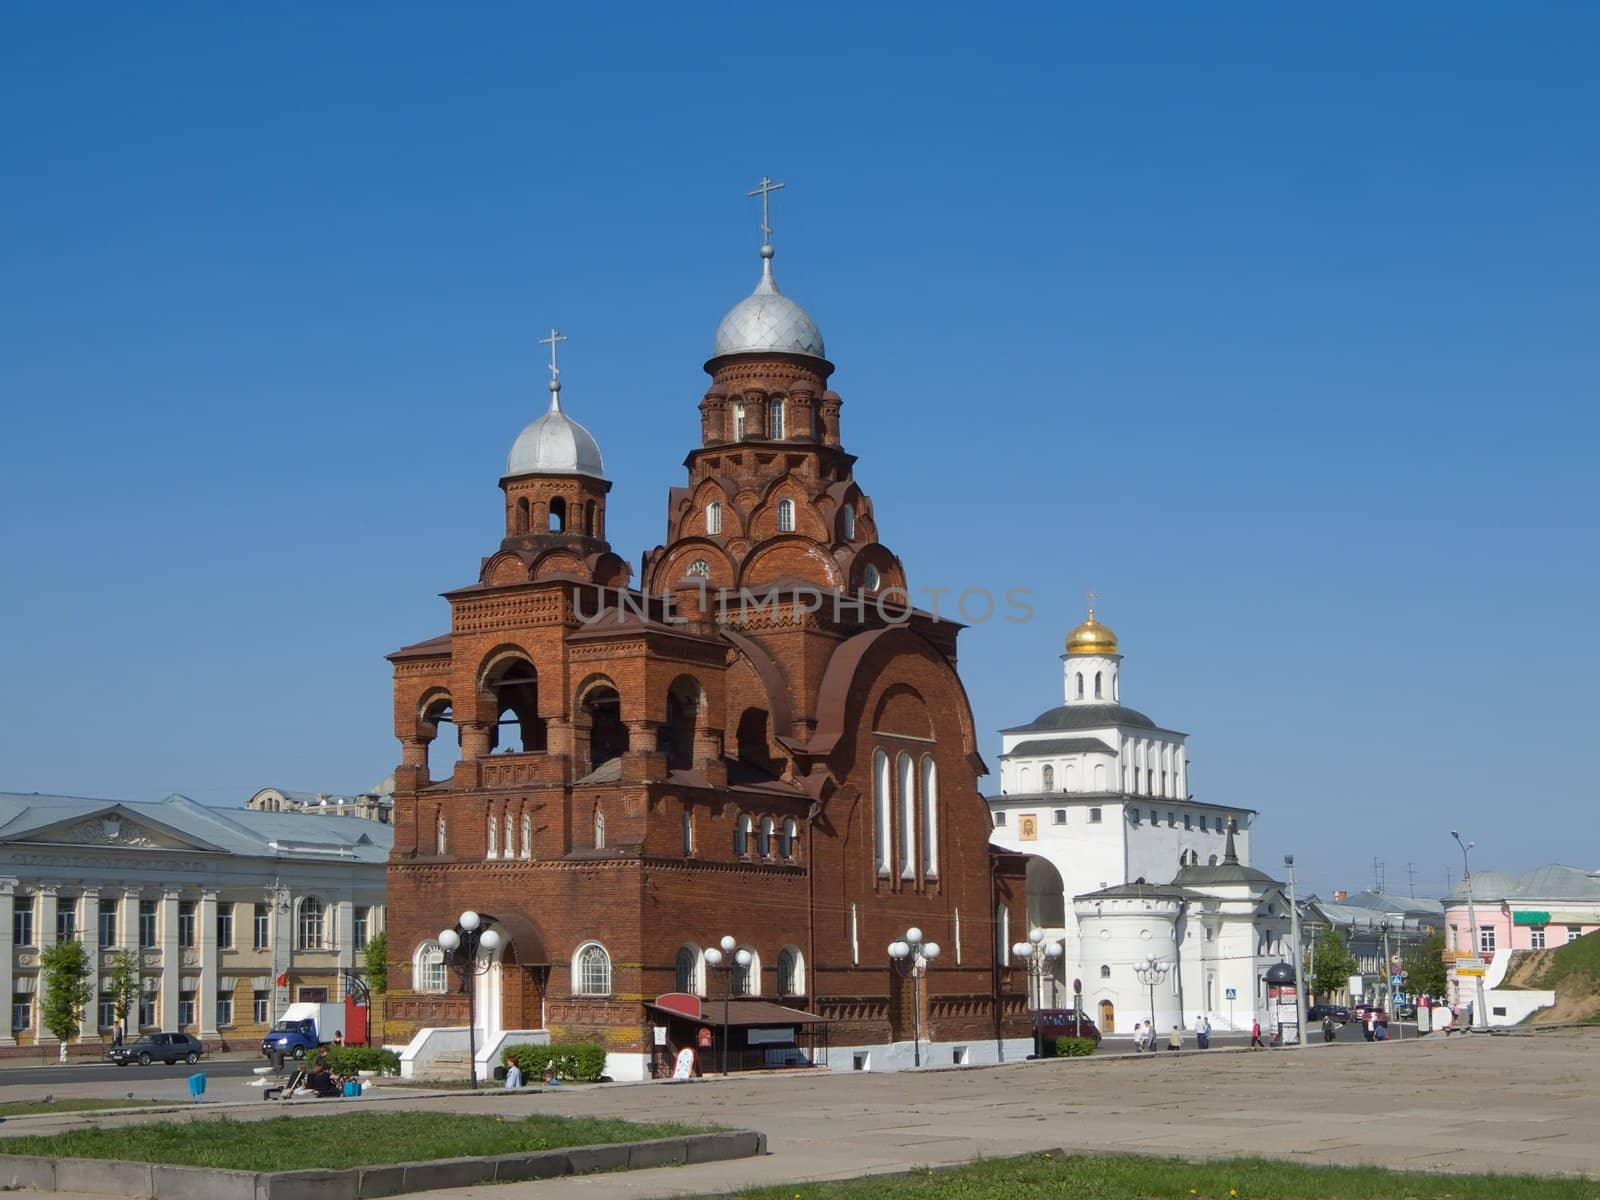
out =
column 1255, row 1035
column 1202, row 1032
column 1370, row 1031
column 1175, row 1039
column 513, row 1074
column 1328, row 1031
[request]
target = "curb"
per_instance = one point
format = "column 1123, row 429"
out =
column 154, row 1181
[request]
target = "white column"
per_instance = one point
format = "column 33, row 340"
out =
column 344, row 930
column 128, row 940
column 171, row 960
column 8, row 892
column 206, row 915
column 89, row 936
column 44, row 936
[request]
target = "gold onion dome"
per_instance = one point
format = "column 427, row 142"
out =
column 1091, row 638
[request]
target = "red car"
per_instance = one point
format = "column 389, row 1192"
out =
column 1055, row 1023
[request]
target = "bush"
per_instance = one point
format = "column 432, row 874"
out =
column 1074, row 1047
column 347, row 1060
column 583, row 1062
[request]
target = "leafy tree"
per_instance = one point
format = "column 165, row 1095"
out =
column 1424, row 966
column 65, row 968
column 1330, row 963
column 124, row 986
column 376, row 961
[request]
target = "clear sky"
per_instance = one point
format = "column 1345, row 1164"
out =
column 1277, row 328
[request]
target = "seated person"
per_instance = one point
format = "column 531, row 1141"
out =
column 322, row 1081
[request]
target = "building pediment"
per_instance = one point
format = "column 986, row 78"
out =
column 113, row 828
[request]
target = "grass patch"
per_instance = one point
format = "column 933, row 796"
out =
column 351, row 1139
column 26, row 1108
column 1080, row 1178
column 1575, row 965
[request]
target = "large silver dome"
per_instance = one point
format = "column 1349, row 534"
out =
column 767, row 321
column 555, row 444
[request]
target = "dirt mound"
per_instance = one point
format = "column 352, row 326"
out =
column 1571, row 971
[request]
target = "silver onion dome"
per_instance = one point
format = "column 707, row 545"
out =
column 555, row 444
column 767, row 321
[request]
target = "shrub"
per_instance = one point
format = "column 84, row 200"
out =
column 583, row 1062
column 347, row 1060
column 1073, row 1047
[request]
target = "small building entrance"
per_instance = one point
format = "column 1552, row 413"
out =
column 1108, row 1017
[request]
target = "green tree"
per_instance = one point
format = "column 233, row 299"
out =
column 1330, row 964
column 1424, row 966
column 67, row 988
column 376, row 962
column 124, row 986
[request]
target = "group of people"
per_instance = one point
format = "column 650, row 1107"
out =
column 514, row 1075
column 1145, row 1036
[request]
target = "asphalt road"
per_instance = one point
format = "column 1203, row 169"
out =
column 104, row 1073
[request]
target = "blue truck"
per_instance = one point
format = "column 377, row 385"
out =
column 302, row 1028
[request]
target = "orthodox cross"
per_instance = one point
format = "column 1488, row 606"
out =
column 765, row 189
column 553, row 341
column 1091, row 596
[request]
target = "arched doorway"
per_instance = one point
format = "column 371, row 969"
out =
column 1108, row 1017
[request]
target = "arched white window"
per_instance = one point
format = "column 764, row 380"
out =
column 1069, row 778
column 764, row 838
column 880, row 809
column 1049, row 774
column 527, row 835
column 492, row 839
column 738, row 421
column 908, row 817
column 1097, row 685
column 591, row 968
column 1099, row 777
column 599, row 830
column 427, row 969
column 1105, row 972
column 714, row 517
column 741, row 835
column 311, row 927
column 699, row 569
column 688, row 971
column 688, row 832
column 438, row 836
column 847, row 522
column 788, row 840
column 1002, row 935
column 930, row 817
column 870, row 579
column 791, row 972
column 746, row 981
column 1080, row 685
column 785, row 516
column 775, row 420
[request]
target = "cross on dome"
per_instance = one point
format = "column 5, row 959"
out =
column 764, row 189
column 555, row 339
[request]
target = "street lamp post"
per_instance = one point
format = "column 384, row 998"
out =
column 1299, row 959
column 1039, row 959
column 1480, row 1014
column 461, row 945
column 911, row 956
column 733, row 957
column 1151, row 971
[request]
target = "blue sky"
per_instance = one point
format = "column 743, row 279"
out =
column 1275, row 328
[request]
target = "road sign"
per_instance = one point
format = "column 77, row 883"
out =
column 1395, row 980
column 1230, row 993
column 1469, row 971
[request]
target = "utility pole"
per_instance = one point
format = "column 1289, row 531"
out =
column 1411, row 879
column 1299, row 958
column 1480, row 1014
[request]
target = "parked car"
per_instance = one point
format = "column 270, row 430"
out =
column 166, row 1047
column 1055, row 1023
column 1406, row 1012
column 1338, row 1012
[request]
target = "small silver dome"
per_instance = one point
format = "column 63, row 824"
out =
column 767, row 321
column 555, row 444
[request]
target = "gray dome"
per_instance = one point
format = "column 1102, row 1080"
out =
column 767, row 321
column 555, row 444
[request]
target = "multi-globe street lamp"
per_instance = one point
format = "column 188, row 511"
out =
column 911, row 956
column 1151, row 971
column 1039, row 959
column 461, row 946
column 731, row 956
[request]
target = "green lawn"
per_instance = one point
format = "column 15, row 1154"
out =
column 24, row 1108
column 1079, row 1178
column 351, row 1139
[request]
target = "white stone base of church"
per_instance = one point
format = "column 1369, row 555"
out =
column 899, row 1056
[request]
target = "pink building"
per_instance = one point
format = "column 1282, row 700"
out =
column 1541, row 910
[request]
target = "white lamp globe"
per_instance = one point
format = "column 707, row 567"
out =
column 1022, row 950
column 898, row 950
column 1036, row 935
column 714, row 957
column 470, row 920
column 449, row 939
column 490, row 940
column 931, row 950
column 744, row 958
column 1053, row 951
column 728, row 944
column 914, row 935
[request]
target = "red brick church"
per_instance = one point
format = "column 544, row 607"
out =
column 757, row 738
